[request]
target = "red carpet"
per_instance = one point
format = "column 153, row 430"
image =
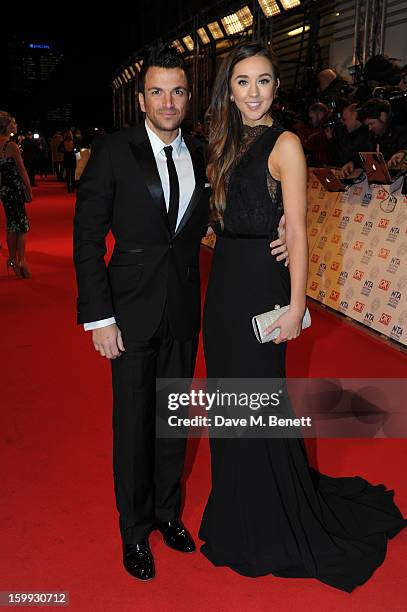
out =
column 58, row 520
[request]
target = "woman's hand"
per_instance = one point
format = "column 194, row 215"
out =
column 289, row 324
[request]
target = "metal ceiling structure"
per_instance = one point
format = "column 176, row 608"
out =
column 369, row 25
column 299, row 31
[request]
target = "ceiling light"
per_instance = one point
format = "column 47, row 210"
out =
column 238, row 22
column 245, row 16
column 177, row 45
column 188, row 42
column 289, row 4
column 214, row 29
column 232, row 24
column 203, row 36
column 269, row 7
column 298, row 31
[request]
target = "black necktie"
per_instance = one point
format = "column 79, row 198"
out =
column 174, row 190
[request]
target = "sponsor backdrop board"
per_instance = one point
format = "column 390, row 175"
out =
column 358, row 264
column 358, row 253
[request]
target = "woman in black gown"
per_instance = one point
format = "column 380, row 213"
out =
column 268, row 510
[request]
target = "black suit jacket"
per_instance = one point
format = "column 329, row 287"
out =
column 120, row 190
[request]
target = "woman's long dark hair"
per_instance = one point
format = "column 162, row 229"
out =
column 225, row 127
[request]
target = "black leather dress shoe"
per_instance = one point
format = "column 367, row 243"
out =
column 138, row 560
column 176, row 536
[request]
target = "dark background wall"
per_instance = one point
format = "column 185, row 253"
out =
column 90, row 47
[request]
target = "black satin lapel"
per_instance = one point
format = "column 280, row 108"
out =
column 198, row 163
column 144, row 156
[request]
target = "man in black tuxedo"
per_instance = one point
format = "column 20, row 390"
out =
column 147, row 184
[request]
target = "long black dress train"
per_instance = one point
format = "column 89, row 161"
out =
column 268, row 510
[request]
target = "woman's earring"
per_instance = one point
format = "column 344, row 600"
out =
column 232, row 98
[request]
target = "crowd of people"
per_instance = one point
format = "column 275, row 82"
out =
column 54, row 155
column 340, row 120
column 23, row 157
column 336, row 120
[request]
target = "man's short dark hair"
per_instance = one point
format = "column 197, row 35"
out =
column 382, row 69
column 373, row 108
column 161, row 56
column 318, row 107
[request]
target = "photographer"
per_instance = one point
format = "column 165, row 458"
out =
column 381, row 72
column 397, row 96
column 348, row 141
column 402, row 84
column 332, row 87
column 316, row 143
column 389, row 137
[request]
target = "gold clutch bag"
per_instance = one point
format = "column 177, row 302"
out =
column 262, row 321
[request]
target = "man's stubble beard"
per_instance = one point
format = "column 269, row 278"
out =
column 166, row 128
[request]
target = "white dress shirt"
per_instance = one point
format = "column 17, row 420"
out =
column 186, row 179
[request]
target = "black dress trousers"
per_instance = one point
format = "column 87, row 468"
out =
column 147, row 470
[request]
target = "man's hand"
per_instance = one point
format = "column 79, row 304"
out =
column 108, row 341
column 279, row 247
column 396, row 159
column 348, row 168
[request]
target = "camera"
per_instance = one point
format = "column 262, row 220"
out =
column 334, row 118
column 347, row 89
column 332, row 123
column 389, row 93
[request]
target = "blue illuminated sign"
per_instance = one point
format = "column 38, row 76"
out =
column 35, row 46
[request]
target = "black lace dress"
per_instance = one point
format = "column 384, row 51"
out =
column 268, row 510
column 12, row 194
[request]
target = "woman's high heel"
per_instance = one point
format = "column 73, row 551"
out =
column 25, row 273
column 13, row 265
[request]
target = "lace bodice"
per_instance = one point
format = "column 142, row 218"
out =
column 254, row 202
